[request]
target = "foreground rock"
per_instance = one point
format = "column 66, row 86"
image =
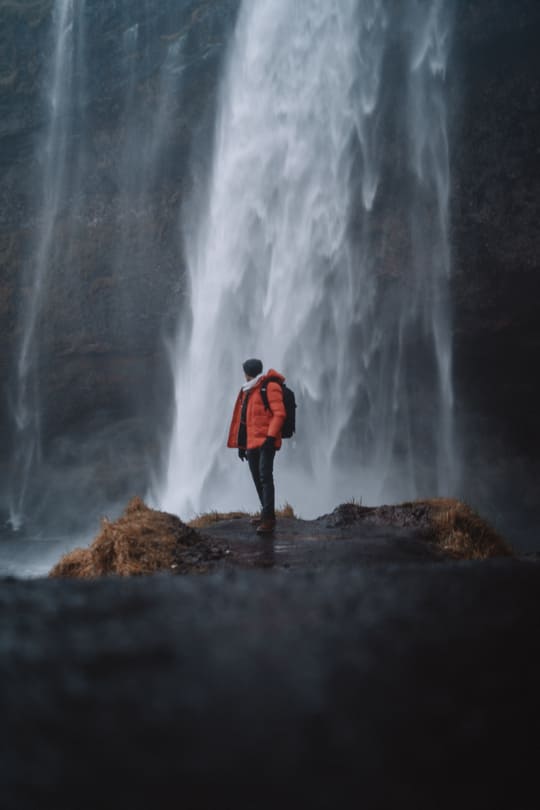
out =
column 395, row 686
column 144, row 540
column 141, row 541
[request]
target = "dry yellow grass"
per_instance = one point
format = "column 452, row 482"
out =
column 448, row 523
column 141, row 541
column 206, row 519
column 462, row 533
column 286, row 511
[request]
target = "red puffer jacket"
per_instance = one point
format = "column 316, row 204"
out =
column 259, row 421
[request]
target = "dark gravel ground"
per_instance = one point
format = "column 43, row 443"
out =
column 411, row 684
column 320, row 545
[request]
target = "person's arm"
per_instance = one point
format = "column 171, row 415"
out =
column 275, row 402
column 232, row 440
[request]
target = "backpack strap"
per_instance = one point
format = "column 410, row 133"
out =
column 264, row 395
column 242, row 427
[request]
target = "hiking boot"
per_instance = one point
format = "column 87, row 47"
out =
column 266, row 526
column 255, row 520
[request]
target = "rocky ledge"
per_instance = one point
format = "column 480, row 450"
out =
column 146, row 541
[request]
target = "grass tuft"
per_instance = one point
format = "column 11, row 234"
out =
column 207, row 519
column 142, row 541
column 287, row 512
column 462, row 533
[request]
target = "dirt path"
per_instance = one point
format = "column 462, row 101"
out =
column 316, row 545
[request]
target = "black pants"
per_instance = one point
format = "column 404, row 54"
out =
column 261, row 465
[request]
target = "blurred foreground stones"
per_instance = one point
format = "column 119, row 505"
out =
column 410, row 685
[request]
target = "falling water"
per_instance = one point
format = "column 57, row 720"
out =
column 92, row 177
column 59, row 99
column 139, row 175
column 322, row 248
column 430, row 160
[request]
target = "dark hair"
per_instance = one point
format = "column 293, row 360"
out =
column 252, row 367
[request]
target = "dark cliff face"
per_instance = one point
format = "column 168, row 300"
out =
column 115, row 290
column 496, row 244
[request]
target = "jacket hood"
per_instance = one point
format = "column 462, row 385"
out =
column 273, row 373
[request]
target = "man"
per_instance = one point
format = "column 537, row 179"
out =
column 256, row 431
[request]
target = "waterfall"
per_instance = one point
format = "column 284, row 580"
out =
column 50, row 187
column 104, row 192
column 430, row 160
column 321, row 246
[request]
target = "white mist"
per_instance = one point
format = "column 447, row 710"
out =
column 274, row 272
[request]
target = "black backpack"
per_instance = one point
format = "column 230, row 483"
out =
column 289, row 400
